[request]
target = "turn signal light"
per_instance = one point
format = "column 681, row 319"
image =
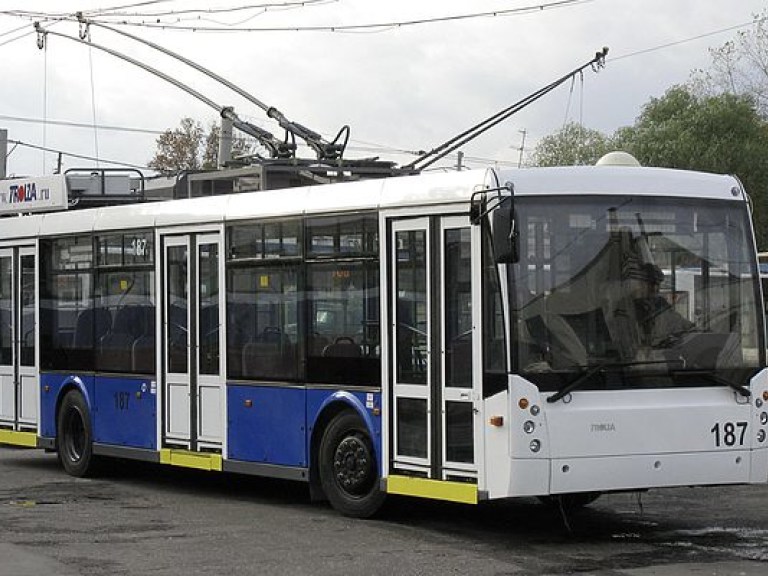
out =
column 496, row 421
column 765, row 395
column 248, row 403
column 523, row 403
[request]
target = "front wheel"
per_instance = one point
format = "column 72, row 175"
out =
column 75, row 436
column 348, row 469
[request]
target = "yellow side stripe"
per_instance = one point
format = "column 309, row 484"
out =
column 187, row 459
column 435, row 489
column 27, row 439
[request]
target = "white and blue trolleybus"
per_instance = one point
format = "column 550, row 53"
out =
column 462, row 336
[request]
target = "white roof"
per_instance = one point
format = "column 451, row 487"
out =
column 407, row 191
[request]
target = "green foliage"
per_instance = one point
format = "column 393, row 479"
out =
column 572, row 145
column 723, row 134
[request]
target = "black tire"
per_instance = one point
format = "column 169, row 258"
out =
column 349, row 473
column 570, row 502
column 75, row 436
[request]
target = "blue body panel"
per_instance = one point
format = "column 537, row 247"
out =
column 272, row 429
column 123, row 410
column 277, row 427
column 361, row 402
column 51, row 387
column 266, row 424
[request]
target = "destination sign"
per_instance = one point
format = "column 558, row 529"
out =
column 39, row 194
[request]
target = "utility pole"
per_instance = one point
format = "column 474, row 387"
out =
column 3, row 151
column 225, row 139
column 522, row 148
column 460, row 161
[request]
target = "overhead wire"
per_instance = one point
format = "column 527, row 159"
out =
column 553, row 4
column 9, row 32
column 129, row 6
column 80, row 124
column 227, row 10
column 79, row 156
column 753, row 22
column 394, row 150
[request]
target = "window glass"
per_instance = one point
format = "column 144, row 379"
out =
column 27, row 299
column 635, row 292
column 69, row 325
column 412, row 427
column 124, row 302
column 139, row 248
column 208, row 308
column 126, row 298
column 177, row 299
column 343, row 327
column 74, row 253
column 262, row 322
column 459, row 435
column 494, row 339
column 411, row 307
column 342, row 236
column 6, row 310
column 457, row 314
column 264, row 240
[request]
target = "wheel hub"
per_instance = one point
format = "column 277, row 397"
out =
column 352, row 465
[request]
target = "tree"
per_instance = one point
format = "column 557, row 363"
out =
column 178, row 149
column 190, row 147
column 724, row 134
column 739, row 66
column 572, row 145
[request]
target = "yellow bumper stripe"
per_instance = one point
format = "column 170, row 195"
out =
column 27, row 439
column 435, row 489
column 187, row 459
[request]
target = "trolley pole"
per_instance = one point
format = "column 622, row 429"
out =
column 3, row 152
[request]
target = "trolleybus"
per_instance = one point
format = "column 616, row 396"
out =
column 465, row 336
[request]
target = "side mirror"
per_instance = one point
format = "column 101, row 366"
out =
column 505, row 235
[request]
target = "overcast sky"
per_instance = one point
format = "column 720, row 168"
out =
column 406, row 87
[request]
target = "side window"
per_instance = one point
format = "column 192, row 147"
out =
column 124, row 303
column 494, row 341
column 263, row 271
column 262, row 321
column 69, row 325
column 290, row 317
column 343, row 342
column 343, row 323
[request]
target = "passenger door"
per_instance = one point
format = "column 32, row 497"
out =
column 434, row 339
column 192, row 328
column 18, row 322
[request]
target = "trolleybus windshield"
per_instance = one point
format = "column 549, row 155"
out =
column 634, row 292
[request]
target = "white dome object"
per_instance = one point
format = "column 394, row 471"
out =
column 618, row 158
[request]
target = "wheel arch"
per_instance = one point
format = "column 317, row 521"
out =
column 332, row 406
column 69, row 384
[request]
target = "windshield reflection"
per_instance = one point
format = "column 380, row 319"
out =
column 632, row 292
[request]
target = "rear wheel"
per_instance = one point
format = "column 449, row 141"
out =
column 75, row 436
column 349, row 472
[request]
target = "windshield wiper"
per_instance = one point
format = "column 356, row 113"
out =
column 707, row 375
column 585, row 376
column 576, row 383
